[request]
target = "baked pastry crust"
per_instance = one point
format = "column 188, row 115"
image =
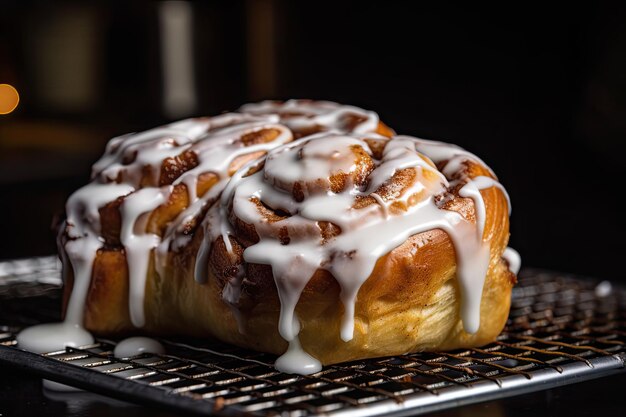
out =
column 410, row 302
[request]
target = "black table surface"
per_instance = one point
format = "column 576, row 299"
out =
column 21, row 394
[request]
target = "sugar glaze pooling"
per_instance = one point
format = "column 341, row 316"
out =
column 120, row 172
column 134, row 346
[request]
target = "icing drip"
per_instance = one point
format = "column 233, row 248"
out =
column 295, row 360
column 454, row 155
column 134, row 346
column 138, row 246
column 81, row 253
column 603, row 289
column 52, row 337
column 512, row 257
column 350, row 256
column 482, row 183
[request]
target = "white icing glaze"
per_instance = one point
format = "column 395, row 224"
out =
column 81, row 252
column 351, row 255
column 307, row 115
column 53, row 337
column 138, row 246
column 453, row 154
column 295, row 360
column 513, row 258
column 603, row 289
column 134, row 346
column 482, row 183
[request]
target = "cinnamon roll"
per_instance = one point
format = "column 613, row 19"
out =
column 305, row 229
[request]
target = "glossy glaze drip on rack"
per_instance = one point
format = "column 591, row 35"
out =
column 134, row 346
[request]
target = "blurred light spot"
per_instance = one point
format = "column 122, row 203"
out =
column 9, row 98
column 176, row 28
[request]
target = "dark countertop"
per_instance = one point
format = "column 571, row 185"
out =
column 21, row 394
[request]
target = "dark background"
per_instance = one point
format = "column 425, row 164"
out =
column 537, row 92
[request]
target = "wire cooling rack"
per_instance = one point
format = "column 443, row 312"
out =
column 561, row 329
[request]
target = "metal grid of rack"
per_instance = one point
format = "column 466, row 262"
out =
column 561, row 329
